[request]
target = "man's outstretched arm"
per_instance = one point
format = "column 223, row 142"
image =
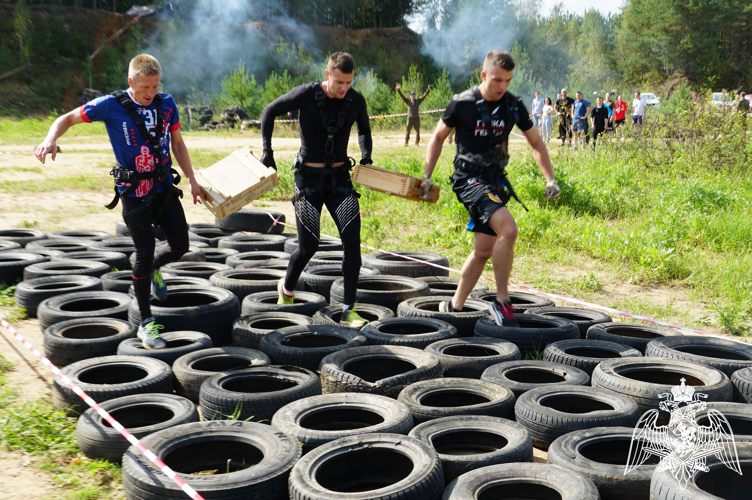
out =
column 61, row 126
column 180, row 151
column 425, row 94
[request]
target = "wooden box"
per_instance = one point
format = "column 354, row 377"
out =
column 235, row 181
column 394, row 183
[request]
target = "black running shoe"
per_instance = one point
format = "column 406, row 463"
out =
column 503, row 314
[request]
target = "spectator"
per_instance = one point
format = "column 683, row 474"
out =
column 563, row 108
column 580, row 112
column 610, row 104
column 537, row 111
column 638, row 111
column 413, row 113
column 558, row 96
column 620, row 115
column 546, row 124
column 742, row 107
column 599, row 119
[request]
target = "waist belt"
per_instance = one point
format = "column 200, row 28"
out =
column 297, row 164
column 132, row 177
column 494, row 173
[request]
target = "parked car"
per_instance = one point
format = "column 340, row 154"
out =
column 722, row 100
column 653, row 100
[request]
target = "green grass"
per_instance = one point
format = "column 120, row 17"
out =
column 80, row 182
column 31, row 131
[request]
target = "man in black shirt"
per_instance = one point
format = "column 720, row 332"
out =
column 328, row 111
column 563, row 108
column 610, row 105
column 483, row 117
column 599, row 119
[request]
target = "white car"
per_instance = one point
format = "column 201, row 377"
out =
column 722, row 100
column 653, row 100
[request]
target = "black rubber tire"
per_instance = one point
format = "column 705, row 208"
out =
column 172, row 281
column 22, row 236
column 583, row 318
column 141, row 414
column 113, row 259
column 13, row 265
column 325, row 245
column 250, row 257
column 317, row 420
column 123, row 245
column 65, row 267
column 725, row 355
column 194, row 269
column 247, row 331
column 521, row 301
column 209, row 310
column 117, row 281
column 6, row 245
column 277, row 264
column 326, row 258
column 254, row 242
column 606, row 450
column 194, row 254
column 383, row 290
column 252, row 221
column 428, row 307
column 262, row 391
column 306, row 346
column 178, row 344
column 742, row 380
column 78, row 305
column 306, row 303
column 586, row 354
column 218, row 255
column 535, row 334
column 79, row 339
column 635, row 335
column 331, row 315
column 368, row 467
column 121, row 230
column 210, row 446
column 30, row 293
column 449, row 397
column 468, row 358
column 243, row 282
column 481, row 441
column 445, row 286
column 393, row 265
column 110, row 377
column 738, row 415
column 382, row 369
column 62, row 244
column 664, row 374
column 550, row 412
column 82, row 235
column 209, row 235
column 532, row 481
column 191, row 370
column 44, row 252
column 530, row 374
column 408, row 332
column 319, row 279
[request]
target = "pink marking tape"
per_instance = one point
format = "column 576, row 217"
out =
column 374, row 116
column 114, row 423
column 14, row 71
column 119, row 32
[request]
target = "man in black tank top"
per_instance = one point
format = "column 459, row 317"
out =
column 328, row 111
column 483, row 117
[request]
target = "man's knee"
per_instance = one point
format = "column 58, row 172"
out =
column 504, row 225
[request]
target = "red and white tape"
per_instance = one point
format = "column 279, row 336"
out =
column 372, row 117
column 14, row 71
column 101, row 411
column 13, row 153
column 117, row 34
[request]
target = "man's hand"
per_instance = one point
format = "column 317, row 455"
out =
column 268, row 159
column 426, row 185
column 48, row 146
column 366, row 161
column 397, row 86
column 196, row 191
column 552, row 189
column 429, row 87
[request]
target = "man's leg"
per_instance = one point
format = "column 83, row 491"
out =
column 308, row 219
column 417, row 131
column 175, row 227
column 576, row 137
column 502, row 222
column 563, row 131
column 473, row 268
column 407, row 132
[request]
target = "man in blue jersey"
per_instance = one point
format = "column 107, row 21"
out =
column 143, row 125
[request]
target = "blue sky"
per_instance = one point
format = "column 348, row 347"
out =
column 580, row 6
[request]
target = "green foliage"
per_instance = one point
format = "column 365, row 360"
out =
column 240, row 88
column 21, row 25
column 276, row 85
column 378, row 95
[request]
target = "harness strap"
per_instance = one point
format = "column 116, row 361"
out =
column 331, row 126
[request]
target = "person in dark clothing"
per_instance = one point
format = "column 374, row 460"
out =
column 413, row 113
column 328, row 111
column 150, row 196
column 483, row 117
column 599, row 119
column 564, row 112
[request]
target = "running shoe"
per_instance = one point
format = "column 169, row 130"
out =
column 446, row 306
column 283, row 297
column 503, row 314
column 148, row 332
column 352, row 319
column 158, row 287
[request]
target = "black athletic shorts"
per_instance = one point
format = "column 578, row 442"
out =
column 482, row 195
column 619, row 123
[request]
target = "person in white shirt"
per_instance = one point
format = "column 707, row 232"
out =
column 537, row 111
column 546, row 123
column 639, row 105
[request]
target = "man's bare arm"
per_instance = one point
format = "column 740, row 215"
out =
column 180, row 151
column 61, row 126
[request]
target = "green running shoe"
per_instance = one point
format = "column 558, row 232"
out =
column 283, row 297
column 158, row 287
column 352, row 319
column 148, row 332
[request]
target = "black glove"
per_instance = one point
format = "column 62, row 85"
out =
column 366, row 161
column 268, row 159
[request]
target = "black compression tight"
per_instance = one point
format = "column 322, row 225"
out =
column 345, row 210
column 173, row 224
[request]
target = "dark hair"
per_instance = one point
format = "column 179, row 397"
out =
column 547, row 99
column 341, row 61
column 499, row 58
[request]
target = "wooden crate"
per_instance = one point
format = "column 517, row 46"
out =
column 394, row 183
column 232, row 183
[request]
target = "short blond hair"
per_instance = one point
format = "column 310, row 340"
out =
column 144, row 65
column 498, row 58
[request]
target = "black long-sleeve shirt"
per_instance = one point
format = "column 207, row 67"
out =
column 312, row 132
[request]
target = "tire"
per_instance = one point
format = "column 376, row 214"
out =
column 325, row 245
column 382, row 290
column 583, row 318
column 331, row 315
column 252, row 221
column 525, row 375
column 535, row 334
column 278, row 264
column 408, row 332
column 306, row 346
column 191, row 370
column 62, row 244
column 586, row 354
column 394, row 265
column 261, row 391
column 468, row 358
column 725, row 355
column 445, row 286
column 631, row 334
column 317, row 420
column 243, row 282
column 600, row 454
column 65, row 267
column 428, row 307
column 22, row 236
column 247, row 331
column 550, row 412
column 521, row 301
column 117, row 281
column 319, row 279
column 657, row 376
column 6, row 245
column 195, row 269
column 178, row 344
column 79, row 339
column 306, row 303
column 254, row 242
column 449, row 397
column 377, row 369
column 141, row 414
column 211, row 446
column 110, row 377
column 172, row 281
column 368, row 467
column 122, row 245
column 468, row 442
column 742, row 380
column 209, row 235
column 13, row 265
column 113, row 259
column 218, row 255
column 209, row 310
column 30, row 293
column 121, row 230
column 82, row 235
column 79, row 305
column 44, row 252
column 193, row 254
column 326, row 257
column 738, row 415
column 249, row 257
column 521, row 480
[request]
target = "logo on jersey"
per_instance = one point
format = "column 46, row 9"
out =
column 480, row 128
column 144, row 163
column 494, row 198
